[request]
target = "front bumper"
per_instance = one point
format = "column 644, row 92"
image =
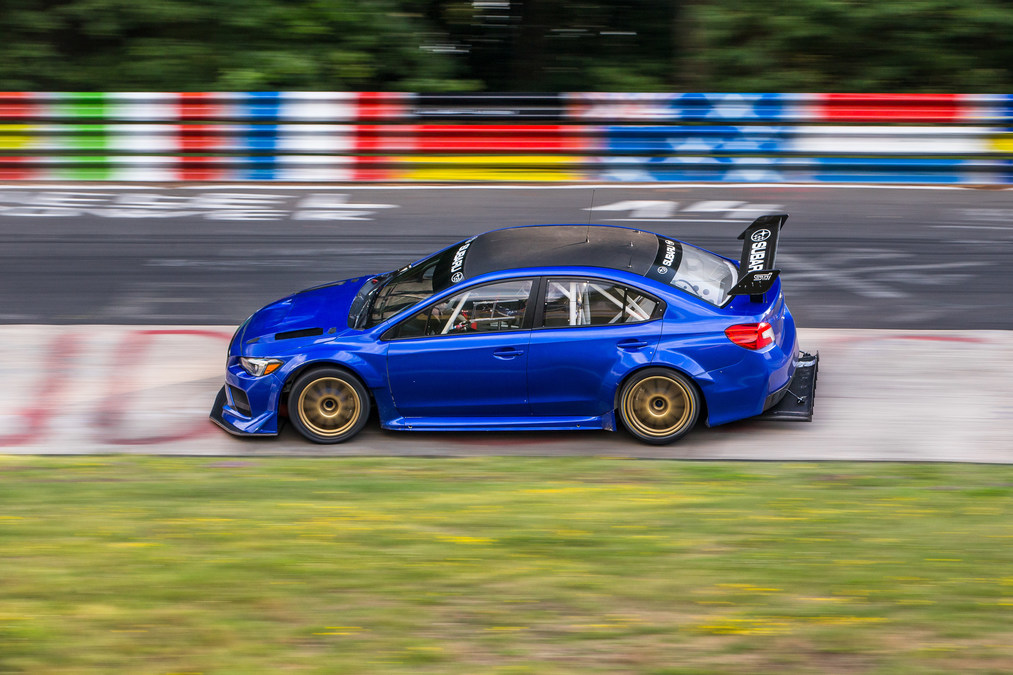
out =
column 226, row 417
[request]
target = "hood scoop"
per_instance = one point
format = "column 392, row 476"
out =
column 305, row 332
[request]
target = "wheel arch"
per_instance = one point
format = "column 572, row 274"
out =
column 704, row 411
column 327, row 419
column 320, row 365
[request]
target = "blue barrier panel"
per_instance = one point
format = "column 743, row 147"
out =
column 698, row 139
column 260, row 138
column 259, row 168
column 696, row 107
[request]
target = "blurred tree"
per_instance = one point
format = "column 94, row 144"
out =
column 857, row 45
column 219, row 45
column 564, row 45
column 507, row 45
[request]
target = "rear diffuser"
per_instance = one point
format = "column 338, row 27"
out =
column 797, row 404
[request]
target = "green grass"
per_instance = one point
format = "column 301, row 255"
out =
column 495, row 565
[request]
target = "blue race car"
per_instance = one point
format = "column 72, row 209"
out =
column 526, row 328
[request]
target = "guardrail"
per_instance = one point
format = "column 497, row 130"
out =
column 362, row 136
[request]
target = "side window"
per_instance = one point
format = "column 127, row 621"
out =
column 589, row 302
column 484, row 309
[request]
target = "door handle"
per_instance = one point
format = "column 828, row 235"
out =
column 507, row 353
column 632, row 344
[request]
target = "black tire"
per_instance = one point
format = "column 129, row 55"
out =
column 328, row 405
column 658, row 405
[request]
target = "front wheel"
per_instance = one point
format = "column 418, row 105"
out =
column 659, row 406
column 328, row 405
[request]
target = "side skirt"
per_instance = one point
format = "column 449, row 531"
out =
column 606, row 421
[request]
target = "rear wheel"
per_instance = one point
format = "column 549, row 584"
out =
column 659, row 406
column 328, row 405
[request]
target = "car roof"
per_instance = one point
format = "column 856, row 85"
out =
column 618, row 248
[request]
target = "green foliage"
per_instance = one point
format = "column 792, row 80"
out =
column 856, row 45
column 507, row 45
column 558, row 45
column 116, row 45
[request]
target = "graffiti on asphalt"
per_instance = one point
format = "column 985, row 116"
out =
column 662, row 210
column 323, row 206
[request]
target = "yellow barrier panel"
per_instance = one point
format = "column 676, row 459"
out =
column 1002, row 143
column 491, row 168
column 14, row 136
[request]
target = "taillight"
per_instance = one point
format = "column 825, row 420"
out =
column 751, row 335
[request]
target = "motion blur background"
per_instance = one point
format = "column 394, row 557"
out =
column 136, row 231
column 503, row 45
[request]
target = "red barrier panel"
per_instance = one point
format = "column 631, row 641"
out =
column 201, row 169
column 194, row 106
column 473, row 138
column 201, row 137
column 17, row 111
column 15, row 173
column 890, row 108
column 381, row 105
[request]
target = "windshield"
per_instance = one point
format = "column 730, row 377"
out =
column 705, row 275
column 407, row 287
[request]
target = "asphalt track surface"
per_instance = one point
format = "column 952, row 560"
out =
column 169, row 271
column 851, row 257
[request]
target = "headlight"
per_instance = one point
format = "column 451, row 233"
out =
column 260, row 367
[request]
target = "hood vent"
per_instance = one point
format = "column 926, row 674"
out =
column 305, row 332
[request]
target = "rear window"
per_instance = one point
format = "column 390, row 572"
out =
column 694, row 270
column 705, row 275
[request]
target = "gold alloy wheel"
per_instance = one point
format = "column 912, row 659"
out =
column 658, row 406
column 329, row 406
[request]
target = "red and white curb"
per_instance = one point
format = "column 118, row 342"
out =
column 881, row 395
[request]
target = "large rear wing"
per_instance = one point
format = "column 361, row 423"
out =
column 759, row 246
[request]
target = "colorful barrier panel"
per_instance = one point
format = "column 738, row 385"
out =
column 391, row 136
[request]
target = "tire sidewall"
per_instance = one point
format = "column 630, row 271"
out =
column 676, row 376
column 305, row 380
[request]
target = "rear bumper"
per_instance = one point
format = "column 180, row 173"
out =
column 795, row 400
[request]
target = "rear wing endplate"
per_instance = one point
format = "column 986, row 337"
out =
column 756, row 282
column 759, row 246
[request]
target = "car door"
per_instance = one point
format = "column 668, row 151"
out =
column 464, row 356
column 590, row 334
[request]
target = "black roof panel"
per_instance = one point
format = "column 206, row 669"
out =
column 561, row 245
